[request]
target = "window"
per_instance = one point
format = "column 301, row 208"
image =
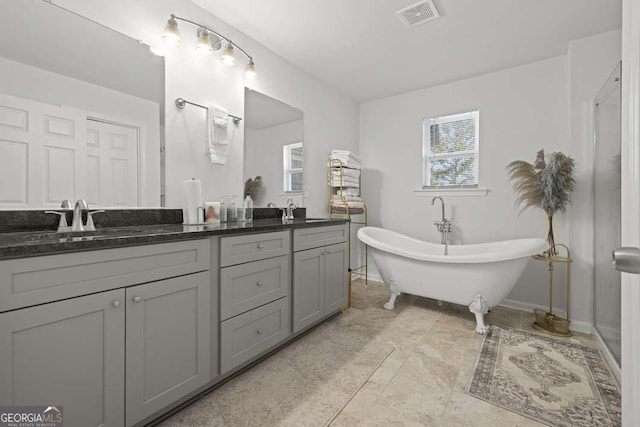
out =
column 450, row 151
column 293, row 168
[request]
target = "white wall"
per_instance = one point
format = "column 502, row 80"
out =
column 264, row 157
column 521, row 109
column 39, row 85
column 331, row 120
column 591, row 61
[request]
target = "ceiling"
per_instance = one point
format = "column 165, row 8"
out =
column 362, row 49
column 262, row 111
column 46, row 36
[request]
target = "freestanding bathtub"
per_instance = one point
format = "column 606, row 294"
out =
column 481, row 275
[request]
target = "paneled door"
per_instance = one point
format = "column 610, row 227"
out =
column 42, row 154
column 112, row 164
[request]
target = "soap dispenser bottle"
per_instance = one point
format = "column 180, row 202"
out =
column 223, row 211
column 248, row 208
column 232, row 213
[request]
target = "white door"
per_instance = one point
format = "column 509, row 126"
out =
column 42, row 154
column 630, row 211
column 112, row 164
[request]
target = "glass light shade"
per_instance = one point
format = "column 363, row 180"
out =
column 250, row 71
column 227, row 57
column 171, row 34
column 204, row 47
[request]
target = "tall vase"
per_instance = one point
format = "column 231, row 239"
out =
column 552, row 251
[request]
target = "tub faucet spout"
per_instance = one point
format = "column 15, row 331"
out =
column 433, row 202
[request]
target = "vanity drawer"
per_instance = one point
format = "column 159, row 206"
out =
column 315, row 237
column 247, row 286
column 253, row 247
column 248, row 335
column 37, row 280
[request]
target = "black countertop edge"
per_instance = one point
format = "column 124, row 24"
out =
column 31, row 244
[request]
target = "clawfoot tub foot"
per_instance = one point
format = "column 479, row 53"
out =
column 479, row 307
column 395, row 293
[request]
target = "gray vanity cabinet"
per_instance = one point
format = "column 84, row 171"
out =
column 168, row 342
column 336, row 260
column 320, row 268
column 68, row 353
column 308, row 288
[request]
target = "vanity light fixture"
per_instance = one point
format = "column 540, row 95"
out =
column 208, row 41
column 227, row 57
column 171, row 34
column 204, row 46
column 250, row 71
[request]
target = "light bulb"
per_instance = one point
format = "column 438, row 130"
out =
column 250, row 71
column 171, row 34
column 227, row 57
column 204, row 47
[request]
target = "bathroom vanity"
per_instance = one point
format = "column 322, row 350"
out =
column 123, row 325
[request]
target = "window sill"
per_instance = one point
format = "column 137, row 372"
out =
column 452, row 192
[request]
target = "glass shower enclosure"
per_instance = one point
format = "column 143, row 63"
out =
column 607, row 210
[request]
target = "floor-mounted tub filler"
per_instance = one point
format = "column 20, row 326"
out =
column 481, row 275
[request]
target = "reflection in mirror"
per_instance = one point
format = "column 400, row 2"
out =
column 81, row 110
column 273, row 147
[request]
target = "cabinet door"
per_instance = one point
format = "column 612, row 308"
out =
column 308, row 287
column 68, row 353
column 168, row 342
column 336, row 258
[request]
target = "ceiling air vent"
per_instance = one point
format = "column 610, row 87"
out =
column 418, row 13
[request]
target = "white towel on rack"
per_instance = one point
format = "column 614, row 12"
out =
column 345, row 153
column 351, row 173
column 217, row 144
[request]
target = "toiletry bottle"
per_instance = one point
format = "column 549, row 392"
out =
column 232, row 213
column 248, row 208
column 223, row 211
column 242, row 212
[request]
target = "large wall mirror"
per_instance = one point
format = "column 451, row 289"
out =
column 273, row 150
column 81, row 112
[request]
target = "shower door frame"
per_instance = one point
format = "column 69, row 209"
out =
column 613, row 79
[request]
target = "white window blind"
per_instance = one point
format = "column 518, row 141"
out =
column 292, row 166
column 450, row 151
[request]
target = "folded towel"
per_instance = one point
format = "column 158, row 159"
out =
column 349, row 192
column 352, row 173
column 345, row 153
column 339, row 183
column 350, row 205
column 345, row 163
column 217, row 144
column 346, row 198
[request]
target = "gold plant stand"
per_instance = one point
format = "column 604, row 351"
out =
column 548, row 322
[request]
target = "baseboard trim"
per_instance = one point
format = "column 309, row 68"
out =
column 576, row 325
column 526, row 306
column 608, row 357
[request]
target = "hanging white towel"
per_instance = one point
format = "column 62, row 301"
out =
column 217, row 144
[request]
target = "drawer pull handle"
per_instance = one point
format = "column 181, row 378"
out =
column 259, row 331
column 260, row 283
column 136, row 299
column 260, row 246
column 115, row 304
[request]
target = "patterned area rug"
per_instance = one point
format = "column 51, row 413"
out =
column 553, row 382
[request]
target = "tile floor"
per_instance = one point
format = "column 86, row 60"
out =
column 423, row 382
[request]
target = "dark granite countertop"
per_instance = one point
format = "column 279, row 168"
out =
column 29, row 244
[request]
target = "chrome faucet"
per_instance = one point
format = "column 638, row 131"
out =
column 443, row 226
column 433, row 202
column 291, row 206
column 76, row 224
